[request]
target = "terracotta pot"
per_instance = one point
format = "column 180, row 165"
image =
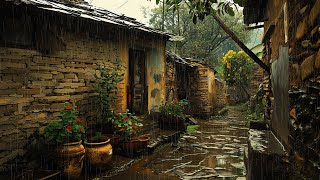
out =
column 98, row 153
column 172, row 123
column 70, row 159
column 135, row 145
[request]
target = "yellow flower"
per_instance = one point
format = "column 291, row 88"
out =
column 228, row 74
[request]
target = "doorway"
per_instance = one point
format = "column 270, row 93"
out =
column 137, row 97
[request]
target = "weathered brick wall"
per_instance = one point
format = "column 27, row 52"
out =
column 304, row 81
column 34, row 87
column 221, row 94
column 201, row 100
column 171, row 80
column 300, row 23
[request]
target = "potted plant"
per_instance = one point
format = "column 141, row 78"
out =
column 127, row 126
column 98, row 150
column 107, row 85
column 66, row 135
column 172, row 115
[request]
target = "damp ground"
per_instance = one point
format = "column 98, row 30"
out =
column 214, row 151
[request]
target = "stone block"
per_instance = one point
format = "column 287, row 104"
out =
column 4, row 65
column 9, row 85
column 307, row 67
column 72, row 85
column 301, row 29
column 29, row 91
column 39, row 76
column 314, row 13
column 43, row 83
column 14, row 100
column 70, row 76
column 63, row 91
column 58, row 76
column 55, row 98
column 317, row 60
column 35, row 116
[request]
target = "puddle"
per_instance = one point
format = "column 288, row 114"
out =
column 214, row 151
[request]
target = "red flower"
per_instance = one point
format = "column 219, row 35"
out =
column 69, row 128
column 174, row 105
column 135, row 127
column 126, row 118
column 81, row 129
column 115, row 126
column 134, row 132
column 76, row 108
column 175, row 100
column 78, row 119
column 121, row 129
column 68, row 107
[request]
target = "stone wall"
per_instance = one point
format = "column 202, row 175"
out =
column 292, row 36
column 34, row 87
column 220, row 101
column 203, row 91
column 304, row 78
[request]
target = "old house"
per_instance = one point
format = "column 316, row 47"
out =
column 50, row 51
column 193, row 80
column 291, row 41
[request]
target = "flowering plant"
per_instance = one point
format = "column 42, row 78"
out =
column 126, row 124
column 237, row 68
column 174, row 108
column 67, row 129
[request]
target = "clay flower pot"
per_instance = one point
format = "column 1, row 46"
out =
column 135, row 145
column 98, row 151
column 172, row 123
column 70, row 159
column 114, row 139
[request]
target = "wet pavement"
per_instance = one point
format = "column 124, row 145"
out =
column 214, row 151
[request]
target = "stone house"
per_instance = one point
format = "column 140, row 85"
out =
column 292, row 41
column 193, row 80
column 50, row 51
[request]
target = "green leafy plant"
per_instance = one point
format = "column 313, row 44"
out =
column 174, row 108
column 237, row 68
column 127, row 125
column 107, row 86
column 67, row 129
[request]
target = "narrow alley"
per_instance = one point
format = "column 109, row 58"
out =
column 214, row 151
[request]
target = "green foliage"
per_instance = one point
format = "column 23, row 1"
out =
column 238, row 68
column 174, row 109
column 127, row 125
column 205, row 40
column 107, row 86
column 199, row 9
column 192, row 129
column 66, row 129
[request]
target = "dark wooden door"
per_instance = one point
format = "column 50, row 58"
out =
column 137, row 93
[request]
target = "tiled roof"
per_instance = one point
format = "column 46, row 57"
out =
column 87, row 11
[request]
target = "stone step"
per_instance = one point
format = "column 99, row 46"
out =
column 267, row 158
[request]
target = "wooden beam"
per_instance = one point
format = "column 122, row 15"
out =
column 240, row 44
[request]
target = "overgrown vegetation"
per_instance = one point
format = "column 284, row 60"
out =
column 107, row 86
column 255, row 107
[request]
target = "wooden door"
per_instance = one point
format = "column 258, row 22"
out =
column 137, row 90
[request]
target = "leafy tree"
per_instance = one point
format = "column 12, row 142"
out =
column 199, row 9
column 205, row 40
column 237, row 69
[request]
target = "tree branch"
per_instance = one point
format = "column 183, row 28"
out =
column 240, row 44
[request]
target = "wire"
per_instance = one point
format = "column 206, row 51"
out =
column 122, row 5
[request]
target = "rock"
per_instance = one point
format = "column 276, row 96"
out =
column 317, row 60
column 301, row 30
column 314, row 13
column 305, row 43
column 307, row 67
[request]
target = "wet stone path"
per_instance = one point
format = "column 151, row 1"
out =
column 214, row 151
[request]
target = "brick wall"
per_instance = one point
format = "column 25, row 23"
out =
column 302, row 118
column 34, row 87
